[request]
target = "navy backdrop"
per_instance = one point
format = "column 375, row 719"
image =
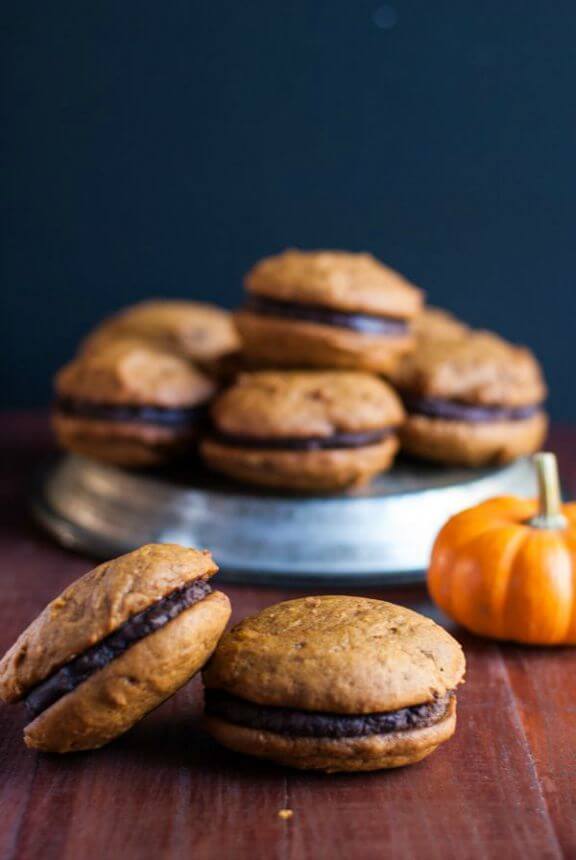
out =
column 160, row 148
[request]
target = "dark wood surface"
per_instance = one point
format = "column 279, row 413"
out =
column 503, row 787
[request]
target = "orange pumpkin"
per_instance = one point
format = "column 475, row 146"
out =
column 506, row 568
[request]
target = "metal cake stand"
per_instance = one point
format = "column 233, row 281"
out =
column 382, row 533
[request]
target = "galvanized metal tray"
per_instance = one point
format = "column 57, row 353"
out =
column 382, row 533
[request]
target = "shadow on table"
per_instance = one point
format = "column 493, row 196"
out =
column 181, row 743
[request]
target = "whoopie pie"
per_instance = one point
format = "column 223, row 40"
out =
column 327, row 309
column 471, row 400
column 334, row 683
column 197, row 330
column 130, row 403
column 314, row 431
column 434, row 323
column 114, row 645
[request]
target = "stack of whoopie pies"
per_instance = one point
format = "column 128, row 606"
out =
column 332, row 683
column 331, row 365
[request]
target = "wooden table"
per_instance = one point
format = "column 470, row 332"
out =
column 504, row 787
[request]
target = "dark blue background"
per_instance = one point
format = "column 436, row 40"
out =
column 160, row 148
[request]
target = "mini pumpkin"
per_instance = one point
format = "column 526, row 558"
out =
column 506, row 568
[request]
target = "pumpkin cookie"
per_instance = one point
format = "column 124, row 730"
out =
column 129, row 403
column 304, row 430
column 202, row 332
column 334, row 683
column 327, row 309
column 437, row 324
column 471, row 400
column 114, row 645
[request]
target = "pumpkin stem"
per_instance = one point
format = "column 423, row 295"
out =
column 550, row 511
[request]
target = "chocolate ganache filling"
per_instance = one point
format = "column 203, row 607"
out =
column 305, row 443
column 454, row 410
column 164, row 416
column 298, row 311
column 136, row 628
column 310, row 724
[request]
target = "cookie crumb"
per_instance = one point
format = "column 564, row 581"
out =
column 285, row 814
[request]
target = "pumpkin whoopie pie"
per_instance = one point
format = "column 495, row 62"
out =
column 129, row 403
column 114, row 645
column 334, row 683
column 304, row 430
column 471, row 400
column 200, row 331
column 437, row 324
column 327, row 309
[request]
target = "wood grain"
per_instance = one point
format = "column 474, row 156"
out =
column 503, row 787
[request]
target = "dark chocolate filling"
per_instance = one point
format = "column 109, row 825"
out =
column 309, row 724
column 78, row 670
column 130, row 413
column 453, row 410
column 309, row 443
column 363, row 323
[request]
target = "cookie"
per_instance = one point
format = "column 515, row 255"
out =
column 225, row 370
column 201, row 332
column 471, row 400
column 437, row 324
column 327, row 309
column 130, row 403
column 113, row 646
column 304, row 430
column 334, row 683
